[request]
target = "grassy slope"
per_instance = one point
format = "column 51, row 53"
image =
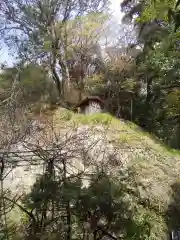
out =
column 155, row 167
column 122, row 132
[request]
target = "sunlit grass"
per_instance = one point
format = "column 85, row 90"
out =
column 121, row 132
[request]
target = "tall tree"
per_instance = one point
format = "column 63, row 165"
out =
column 82, row 36
column 158, row 27
column 26, row 25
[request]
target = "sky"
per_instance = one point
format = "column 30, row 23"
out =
column 117, row 16
column 115, row 6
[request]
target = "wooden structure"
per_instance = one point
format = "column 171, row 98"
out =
column 175, row 235
column 90, row 105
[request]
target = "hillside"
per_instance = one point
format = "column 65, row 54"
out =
column 147, row 170
column 67, row 176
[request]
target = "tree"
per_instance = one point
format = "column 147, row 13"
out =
column 26, row 25
column 33, row 84
column 84, row 57
column 157, row 67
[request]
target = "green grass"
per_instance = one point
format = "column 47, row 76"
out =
column 121, row 132
column 93, row 119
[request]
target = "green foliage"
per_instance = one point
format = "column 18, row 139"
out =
column 83, row 32
column 49, row 31
column 165, row 10
column 97, row 118
column 31, row 82
column 114, row 201
column 157, row 8
column 103, row 203
column 157, row 109
column 95, row 84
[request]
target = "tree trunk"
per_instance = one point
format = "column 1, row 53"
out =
column 57, row 80
column 55, row 45
column 149, row 90
column 145, row 120
column 65, row 78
